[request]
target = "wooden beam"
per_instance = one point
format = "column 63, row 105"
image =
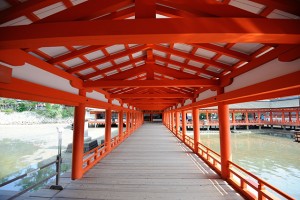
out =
column 126, row 74
column 145, row 9
column 145, row 31
column 151, row 83
column 287, row 85
column 179, row 64
column 107, row 59
column 155, row 96
column 173, row 72
column 193, row 57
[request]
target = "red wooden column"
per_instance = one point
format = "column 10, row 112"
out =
column 282, row 117
column 271, row 117
column 172, row 121
column 224, row 129
column 183, row 114
column 196, row 128
column 177, row 123
column 290, row 117
column 127, row 123
column 78, row 139
column 107, row 139
column 121, row 124
column 169, row 120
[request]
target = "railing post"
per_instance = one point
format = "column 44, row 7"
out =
column 108, row 128
column 121, row 124
column 261, row 187
column 196, row 128
column 78, row 139
column 183, row 117
column 224, row 129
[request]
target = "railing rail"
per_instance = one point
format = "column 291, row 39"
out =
column 245, row 182
column 243, row 179
column 57, row 171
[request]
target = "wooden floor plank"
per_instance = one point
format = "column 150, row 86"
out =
column 150, row 164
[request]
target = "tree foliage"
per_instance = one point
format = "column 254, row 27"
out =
column 44, row 109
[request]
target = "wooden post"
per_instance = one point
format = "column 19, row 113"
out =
column 78, row 139
column 128, row 123
column 196, row 128
column 224, row 129
column 172, row 121
column 107, row 139
column 121, row 125
column 177, row 123
column 183, row 116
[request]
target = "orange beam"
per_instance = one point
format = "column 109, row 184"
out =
column 224, row 51
column 179, row 64
column 287, row 85
column 107, row 59
column 210, row 8
column 139, row 96
column 74, row 54
column 145, row 31
column 103, row 71
column 126, row 74
column 86, row 10
column 145, row 9
column 193, row 57
column 173, row 72
column 152, row 83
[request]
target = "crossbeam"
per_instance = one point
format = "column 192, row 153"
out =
column 145, row 31
column 151, row 83
column 154, row 96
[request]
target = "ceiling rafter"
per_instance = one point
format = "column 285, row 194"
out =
column 24, row 8
column 108, row 59
column 183, row 65
column 75, row 53
column 192, row 57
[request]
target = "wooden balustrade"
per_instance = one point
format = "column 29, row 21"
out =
column 242, row 180
column 252, row 186
column 93, row 156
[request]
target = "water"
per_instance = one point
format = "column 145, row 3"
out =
column 274, row 159
column 27, row 147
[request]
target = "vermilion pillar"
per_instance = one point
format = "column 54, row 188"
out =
column 127, row 123
column 107, row 138
column 196, row 128
column 177, row 123
column 183, row 117
column 172, row 121
column 225, row 146
column 78, row 139
column 121, row 124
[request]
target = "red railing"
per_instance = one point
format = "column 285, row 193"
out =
column 243, row 181
column 252, row 186
column 93, row 156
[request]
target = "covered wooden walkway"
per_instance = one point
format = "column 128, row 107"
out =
column 150, row 164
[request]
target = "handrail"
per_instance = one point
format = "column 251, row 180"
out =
column 213, row 159
column 57, row 171
column 259, row 188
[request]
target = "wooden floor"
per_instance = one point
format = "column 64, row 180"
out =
column 150, row 164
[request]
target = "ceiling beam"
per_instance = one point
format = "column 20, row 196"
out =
column 154, row 96
column 151, row 83
column 193, row 57
column 145, row 31
column 107, row 59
